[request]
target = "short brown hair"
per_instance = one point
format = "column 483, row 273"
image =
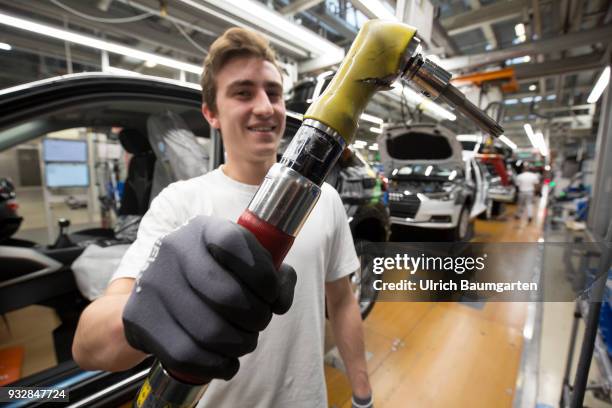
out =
column 235, row 42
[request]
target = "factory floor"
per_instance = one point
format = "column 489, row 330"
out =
column 434, row 354
column 460, row 354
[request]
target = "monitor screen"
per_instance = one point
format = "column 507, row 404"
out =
column 66, row 175
column 62, row 150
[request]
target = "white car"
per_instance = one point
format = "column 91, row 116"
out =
column 432, row 183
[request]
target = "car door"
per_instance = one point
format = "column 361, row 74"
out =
column 480, row 195
column 39, row 299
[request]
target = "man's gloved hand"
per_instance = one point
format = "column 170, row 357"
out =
column 362, row 402
column 202, row 301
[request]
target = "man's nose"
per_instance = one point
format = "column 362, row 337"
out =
column 262, row 105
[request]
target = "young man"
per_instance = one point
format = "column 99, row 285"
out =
column 206, row 290
column 526, row 182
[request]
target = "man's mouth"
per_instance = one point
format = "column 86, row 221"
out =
column 262, row 128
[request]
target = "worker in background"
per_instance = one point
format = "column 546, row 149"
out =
column 200, row 293
column 526, row 182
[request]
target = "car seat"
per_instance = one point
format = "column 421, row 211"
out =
column 179, row 155
column 137, row 190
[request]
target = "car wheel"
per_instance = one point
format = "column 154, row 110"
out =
column 362, row 281
column 460, row 232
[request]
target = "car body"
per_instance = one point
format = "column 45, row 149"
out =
column 432, row 184
column 501, row 185
column 40, row 274
column 9, row 218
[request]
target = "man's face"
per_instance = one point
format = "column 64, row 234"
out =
column 250, row 109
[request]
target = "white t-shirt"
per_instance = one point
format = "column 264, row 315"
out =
column 286, row 368
column 526, row 181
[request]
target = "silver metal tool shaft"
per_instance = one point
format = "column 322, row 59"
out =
column 434, row 82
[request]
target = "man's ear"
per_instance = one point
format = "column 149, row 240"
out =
column 211, row 116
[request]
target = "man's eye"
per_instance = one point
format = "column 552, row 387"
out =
column 243, row 93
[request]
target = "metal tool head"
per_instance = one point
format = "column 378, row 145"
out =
column 433, row 81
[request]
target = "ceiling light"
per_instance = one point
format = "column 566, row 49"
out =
column 376, row 130
column 280, row 31
column 433, row 107
column 530, row 134
column 428, row 170
column 518, row 60
column 150, row 64
column 532, row 87
column 371, row 118
column 541, row 144
column 420, row 102
column 5, row 46
column 93, row 42
column 519, row 29
column 508, row 142
column 600, row 86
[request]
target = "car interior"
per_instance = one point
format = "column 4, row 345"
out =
column 154, row 135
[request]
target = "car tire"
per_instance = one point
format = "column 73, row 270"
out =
column 462, row 230
column 363, row 278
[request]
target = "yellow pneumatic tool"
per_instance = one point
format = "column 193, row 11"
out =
column 382, row 53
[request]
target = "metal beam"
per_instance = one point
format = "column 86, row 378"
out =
column 486, row 28
column 602, row 34
column 298, row 6
column 342, row 27
column 576, row 20
column 441, row 38
column 556, row 67
column 51, row 48
column 499, row 11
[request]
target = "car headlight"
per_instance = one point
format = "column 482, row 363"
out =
column 449, row 196
column 445, row 196
column 395, row 196
column 448, row 193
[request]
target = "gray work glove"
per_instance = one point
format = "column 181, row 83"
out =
column 362, row 402
column 202, row 301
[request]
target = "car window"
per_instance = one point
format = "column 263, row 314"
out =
column 74, row 163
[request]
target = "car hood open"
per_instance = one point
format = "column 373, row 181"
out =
column 422, row 143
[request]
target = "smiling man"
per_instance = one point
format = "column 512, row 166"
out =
column 201, row 294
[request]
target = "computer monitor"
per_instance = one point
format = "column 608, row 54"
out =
column 62, row 150
column 66, row 175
